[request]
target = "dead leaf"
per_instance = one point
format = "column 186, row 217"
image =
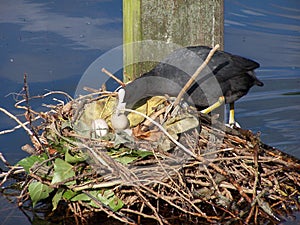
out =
column 150, row 135
column 181, row 123
column 148, row 108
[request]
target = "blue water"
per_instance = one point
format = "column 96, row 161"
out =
column 55, row 42
column 269, row 32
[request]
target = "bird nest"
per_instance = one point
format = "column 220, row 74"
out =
column 179, row 166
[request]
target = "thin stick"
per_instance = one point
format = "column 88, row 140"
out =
column 17, row 127
column 4, row 160
column 17, row 120
column 28, row 114
column 113, row 76
column 212, row 179
column 14, row 170
column 19, row 106
column 92, row 90
column 195, row 75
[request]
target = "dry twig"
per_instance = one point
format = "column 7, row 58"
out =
column 195, row 75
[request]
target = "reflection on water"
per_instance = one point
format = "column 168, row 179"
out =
column 56, row 41
column 267, row 31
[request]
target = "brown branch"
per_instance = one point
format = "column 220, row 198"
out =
column 29, row 117
column 113, row 76
column 138, row 213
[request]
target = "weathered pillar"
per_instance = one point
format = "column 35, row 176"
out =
column 184, row 22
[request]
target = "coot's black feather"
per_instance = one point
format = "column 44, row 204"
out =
column 226, row 74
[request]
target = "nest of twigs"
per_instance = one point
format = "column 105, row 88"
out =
column 205, row 173
column 173, row 166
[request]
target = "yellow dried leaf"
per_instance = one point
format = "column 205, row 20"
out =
column 148, row 108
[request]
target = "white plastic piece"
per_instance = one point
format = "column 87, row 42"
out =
column 99, row 127
column 119, row 120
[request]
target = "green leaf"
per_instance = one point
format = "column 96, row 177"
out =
column 29, row 161
column 126, row 159
column 38, row 191
column 107, row 198
column 75, row 158
column 62, row 171
column 68, row 194
column 81, row 197
column 130, row 156
column 142, row 154
column 111, row 200
column 57, row 197
column 115, row 203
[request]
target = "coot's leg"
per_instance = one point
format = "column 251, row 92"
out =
column 231, row 114
column 232, row 121
column 220, row 101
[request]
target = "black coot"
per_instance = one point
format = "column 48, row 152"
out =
column 226, row 75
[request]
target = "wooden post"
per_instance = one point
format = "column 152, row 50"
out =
column 131, row 33
column 186, row 23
